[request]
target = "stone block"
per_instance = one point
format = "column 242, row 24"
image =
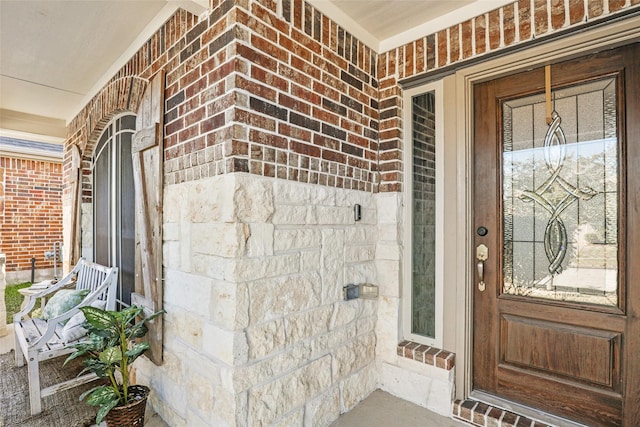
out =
column 272, row 298
column 265, row 338
column 189, row 291
column 229, row 305
column 345, row 312
column 351, row 197
column 186, row 253
column 264, row 371
column 228, row 346
column 361, row 234
column 353, row 356
column 389, row 233
column 170, row 231
column 168, row 397
column 387, row 251
column 200, row 393
column 213, row 267
column 242, row 409
column 360, row 272
column 253, row 199
column 166, row 412
column 172, row 366
column 323, row 195
column 358, row 386
column 332, row 265
column 181, row 324
column 389, row 275
column 207, row 200
column 366, row 325
column 296, row 418
column 323, row 410
column 359, row 253
column 291, row 193
column 298, row 238
column 246, row 269
column 224, row 408
column 308, row 324
column 260, row 240
column 194, row 418
column 310, row 260
column 291, row 215
column 336, row 338
column 388, row 207
column 387, row 328
column 333, row 215
column 423, row 390
column 271, row 401
column 173, row 202
column 171, row 255
column 219, row 239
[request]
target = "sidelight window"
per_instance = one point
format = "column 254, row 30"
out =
column 422, row 297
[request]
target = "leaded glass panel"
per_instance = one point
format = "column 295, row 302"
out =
column 560, row 195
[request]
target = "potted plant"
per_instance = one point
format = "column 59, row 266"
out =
column 109, row 351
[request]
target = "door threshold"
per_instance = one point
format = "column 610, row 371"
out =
column 516, row 409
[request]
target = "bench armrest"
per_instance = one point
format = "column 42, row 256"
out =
column 33, row 298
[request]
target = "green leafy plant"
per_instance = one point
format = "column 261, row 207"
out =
column 13, row 299
column 109, row 351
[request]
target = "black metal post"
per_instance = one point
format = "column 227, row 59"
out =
column 33, row 269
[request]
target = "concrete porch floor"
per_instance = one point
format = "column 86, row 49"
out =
column 384, row 409
column 379, row 409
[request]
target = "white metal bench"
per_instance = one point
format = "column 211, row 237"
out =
column 37, row 339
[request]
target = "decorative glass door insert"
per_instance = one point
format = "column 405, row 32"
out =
column 560, row 195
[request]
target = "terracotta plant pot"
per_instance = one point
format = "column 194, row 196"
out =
column 131, row 415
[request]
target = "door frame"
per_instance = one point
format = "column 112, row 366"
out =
column 611, row 35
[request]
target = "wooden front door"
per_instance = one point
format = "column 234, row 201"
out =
column 556, row 319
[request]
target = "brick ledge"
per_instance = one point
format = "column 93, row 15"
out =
column 426, row 354
column 482, row 415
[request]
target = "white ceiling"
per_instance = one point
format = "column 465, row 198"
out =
column 56, row 54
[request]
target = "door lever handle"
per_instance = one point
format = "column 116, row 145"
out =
column 482, row 253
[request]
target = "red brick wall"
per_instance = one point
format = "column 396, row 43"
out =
column 292, row 96
column 123, row 93
column 521, row 21
column 285, row 92
column 32, row 217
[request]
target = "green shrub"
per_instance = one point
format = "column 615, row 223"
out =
column 13, row 299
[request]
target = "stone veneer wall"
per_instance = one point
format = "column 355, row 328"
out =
column 31, row 215
column 257, row 328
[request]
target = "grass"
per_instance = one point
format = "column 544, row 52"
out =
column 13, row 299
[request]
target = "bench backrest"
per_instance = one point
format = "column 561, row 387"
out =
column 91, row 276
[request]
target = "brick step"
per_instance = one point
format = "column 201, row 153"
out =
column 483, row 415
